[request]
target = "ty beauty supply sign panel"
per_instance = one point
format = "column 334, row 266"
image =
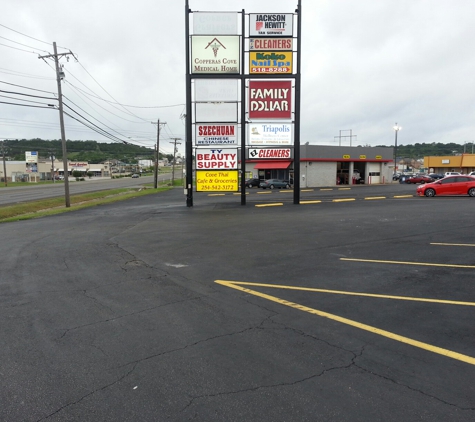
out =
column 270, row 99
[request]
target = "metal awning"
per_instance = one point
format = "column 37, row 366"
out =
column 263, row 165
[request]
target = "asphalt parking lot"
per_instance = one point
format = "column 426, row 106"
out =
column 357, row 305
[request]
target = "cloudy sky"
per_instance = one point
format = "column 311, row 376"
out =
column 366, row 65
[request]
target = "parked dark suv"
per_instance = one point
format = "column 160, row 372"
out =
column 250, row 183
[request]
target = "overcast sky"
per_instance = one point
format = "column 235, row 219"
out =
column 366, row 65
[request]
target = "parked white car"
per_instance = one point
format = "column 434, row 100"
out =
column 451, row 173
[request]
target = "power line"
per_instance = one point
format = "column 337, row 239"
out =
column 20, row 49
column 28, row 36
column 23, row 75
column 27, row 95
column 19, row 43
column 25, row 105
column 21, row 86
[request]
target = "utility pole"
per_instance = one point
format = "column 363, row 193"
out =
column 157, row 153
column 59, row 77
column 4, row 165
column 174, row 154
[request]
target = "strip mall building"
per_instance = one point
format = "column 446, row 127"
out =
column 328, row 165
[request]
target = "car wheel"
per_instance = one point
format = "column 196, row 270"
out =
column 271, row 187
column 471, row 192
column 287, row 186
column 429, row 193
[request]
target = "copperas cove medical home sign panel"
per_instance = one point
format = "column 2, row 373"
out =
column 270, row 99
column 215, row 54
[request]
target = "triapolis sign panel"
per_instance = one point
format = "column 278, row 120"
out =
column 270, row 99
column 270, row 134
column 271, row 24
column 215, row 54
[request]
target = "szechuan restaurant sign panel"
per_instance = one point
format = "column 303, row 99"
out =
column 270, row 99
column 216, row 134
column 215, row 54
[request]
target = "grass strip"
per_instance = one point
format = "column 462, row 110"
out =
column 52, row 206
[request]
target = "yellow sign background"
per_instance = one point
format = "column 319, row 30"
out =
column 217, row 180
column 270, row 65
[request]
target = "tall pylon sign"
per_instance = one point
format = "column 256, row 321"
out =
column 242, row 97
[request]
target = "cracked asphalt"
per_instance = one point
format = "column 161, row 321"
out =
column 112, row 313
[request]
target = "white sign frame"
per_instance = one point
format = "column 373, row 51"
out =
column 209, row 134
column 280, row 28
column 269, row 133
column 216, row 158
column 219, row 54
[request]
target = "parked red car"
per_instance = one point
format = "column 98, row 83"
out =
column 420, row 179
column 451, row 185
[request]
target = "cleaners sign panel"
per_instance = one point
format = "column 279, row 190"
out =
column 270, row 99
column 270, row 62
column 216, row 159
column 276, row 44
column 272, row 24
column 216, row 134
column 272, row 153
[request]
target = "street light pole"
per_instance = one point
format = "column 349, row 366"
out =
column 396, row 130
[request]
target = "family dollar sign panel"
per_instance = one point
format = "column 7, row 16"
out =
column 270, row 99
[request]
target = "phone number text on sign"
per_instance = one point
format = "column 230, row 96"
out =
column 271, row 70
column 217, row 181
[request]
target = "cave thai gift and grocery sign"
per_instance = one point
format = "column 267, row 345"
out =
column 270, row 99
column 216, row 158
column 270, row 62
column 217, row 180
column 210, row 134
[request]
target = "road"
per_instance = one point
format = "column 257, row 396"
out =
column 11, row 195
column 348, row 309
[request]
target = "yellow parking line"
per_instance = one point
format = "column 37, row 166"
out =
column 326, row 189
column 404, row 196
column 375, row 197
column 425, row 346
column 306, row 190
column 287, row 191
column 344, row 188
column 239, row 193
column 263, row 193
column 310, row 202
column 340, row 292
column 344, row 200
column 426, row 264
column 216, row 194
column 453, row 244
column 277, row 204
